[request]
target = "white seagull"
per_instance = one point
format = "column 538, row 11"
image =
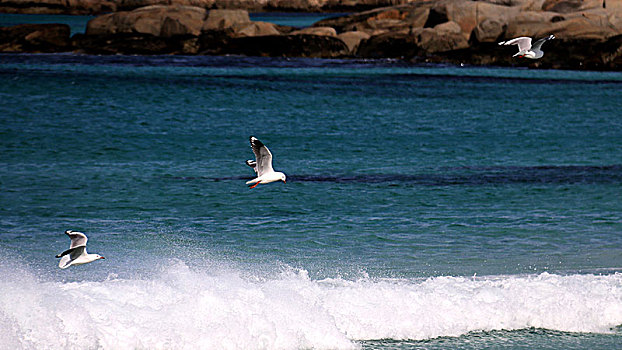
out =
column 262, row 165
column 525, row 49
column 76, row 254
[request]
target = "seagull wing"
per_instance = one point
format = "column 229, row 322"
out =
column 262, row 155
column 252, row 164
column 76, row 252
column 538, row 44
column 523, row 42
column 78, row 239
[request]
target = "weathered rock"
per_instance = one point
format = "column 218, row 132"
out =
column 353, row 39
column 595, row 24
column 35, row 38
column 327, row 31
column 391, row 45
column 96, row 7
column 588, row 32
column 489, row 30
column 254, row 29
column 69, row 7
column 157, row 20
column 381, row 20
column 222, row 19
column 567, row 6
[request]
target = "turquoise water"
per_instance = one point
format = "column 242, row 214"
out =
column 432, row 207
column 77, row 24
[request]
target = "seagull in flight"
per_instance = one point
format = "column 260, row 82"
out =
column 262, row 165
column 76, row 254
column 525, row 49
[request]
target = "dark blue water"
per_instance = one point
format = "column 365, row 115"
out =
column 426, row 206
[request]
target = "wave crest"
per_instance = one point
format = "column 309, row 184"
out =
column 181, row 308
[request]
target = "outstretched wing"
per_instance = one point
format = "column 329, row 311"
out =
column 263, row 157
column 78, row 239
column 252, row 164
column 67, row 259
column 538, row 44
column 523, row 42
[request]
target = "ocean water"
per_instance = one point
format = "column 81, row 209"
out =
column 426, row 207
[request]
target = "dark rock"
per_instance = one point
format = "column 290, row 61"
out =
column 35, row 38
column 126, row 44
column 300, row 45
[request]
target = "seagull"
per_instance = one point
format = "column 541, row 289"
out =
column 76, row 254
column 262, row 165
column 525, row 49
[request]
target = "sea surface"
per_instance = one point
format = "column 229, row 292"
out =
column 426, row 207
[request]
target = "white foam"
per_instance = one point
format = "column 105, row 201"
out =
column 181, row 308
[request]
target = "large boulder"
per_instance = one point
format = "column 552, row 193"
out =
column 353, row 39
column 223, row 19
column 593, row 24
column 254, row 29
column 381, row 20
column 35, row 38
column 157, row 20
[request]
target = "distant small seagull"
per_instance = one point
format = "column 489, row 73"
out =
column 262, row 165
column 76, row 254
column 525, row 49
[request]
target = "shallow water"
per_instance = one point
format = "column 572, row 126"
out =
column 426, row 206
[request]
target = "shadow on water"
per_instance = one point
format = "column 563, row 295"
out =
column 468, row 176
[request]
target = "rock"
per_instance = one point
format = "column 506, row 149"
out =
column 124, row 43
column 222, row 19
column 449, row 27
column 157, row 20
column 35, row 38
column 460, row 31
column 381, row 20
column 353, row 39
column 97, row 7
column 69, row 7
column 302, row 45
column 129, row 5
column 390, row 45
column 442, row 38
column 254, row 29
column 418, row 42
column 595, row 24
column 489, row 30
column 327, row 31
column 567, row 6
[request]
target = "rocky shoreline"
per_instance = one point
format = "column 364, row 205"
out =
column 97, row 7
column 588, row 33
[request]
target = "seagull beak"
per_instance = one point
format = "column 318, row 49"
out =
column 102, row 257
column 284, row 182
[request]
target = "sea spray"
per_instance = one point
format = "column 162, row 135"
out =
column 181, row 307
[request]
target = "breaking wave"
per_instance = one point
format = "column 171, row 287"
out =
column 182, row 308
